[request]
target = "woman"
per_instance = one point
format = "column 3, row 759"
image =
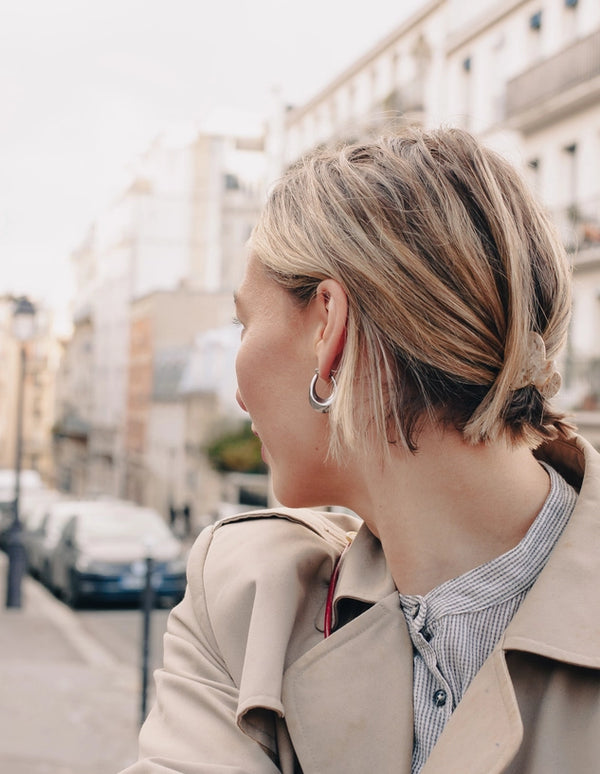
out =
column 402, row 307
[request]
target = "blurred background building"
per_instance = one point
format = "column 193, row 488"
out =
column 156, row 268
column 146, row 380
column 43, row 355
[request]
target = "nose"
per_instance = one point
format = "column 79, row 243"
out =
column 241, row 403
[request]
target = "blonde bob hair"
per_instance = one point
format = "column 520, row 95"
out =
column 448, row 263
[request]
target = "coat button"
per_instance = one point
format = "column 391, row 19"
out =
column 439, row 698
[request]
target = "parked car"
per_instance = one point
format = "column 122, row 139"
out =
column 32, row 511
column 43, row 530
column 103, row 555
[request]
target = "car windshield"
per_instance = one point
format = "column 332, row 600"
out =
column 123, row 524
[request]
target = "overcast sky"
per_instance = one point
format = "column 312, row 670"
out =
column 86, row 84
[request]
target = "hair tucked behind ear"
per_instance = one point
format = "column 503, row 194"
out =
column 448, row 263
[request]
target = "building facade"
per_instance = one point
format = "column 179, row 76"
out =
column 74, row 403
column 42, row 358
column 179, row 228
column 163, row 328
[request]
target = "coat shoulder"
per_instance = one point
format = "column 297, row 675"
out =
column 334, row 528
column 261, row 548
column 268, row 572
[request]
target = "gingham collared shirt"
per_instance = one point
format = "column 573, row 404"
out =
column 455, row 626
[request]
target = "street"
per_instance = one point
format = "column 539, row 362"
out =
column 120, row 632
column 71, row 696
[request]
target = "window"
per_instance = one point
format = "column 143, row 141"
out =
column 571, row 183
column 231, row 182
column 535, row 21
column 571, row 157
column 533, row 174
column 497, row 79
column 535, row 37
column 466, row 88
column 569, row 20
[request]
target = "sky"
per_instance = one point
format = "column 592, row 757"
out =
column 85, row 85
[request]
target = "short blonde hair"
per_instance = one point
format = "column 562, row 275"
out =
column 448, row 263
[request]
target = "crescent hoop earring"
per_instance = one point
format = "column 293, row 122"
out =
column 317, row 403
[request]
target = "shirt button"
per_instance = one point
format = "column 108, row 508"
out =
column 439, row 698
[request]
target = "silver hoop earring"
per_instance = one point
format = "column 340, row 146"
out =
column 318, row 403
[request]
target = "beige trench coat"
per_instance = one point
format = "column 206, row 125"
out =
column 250, row 685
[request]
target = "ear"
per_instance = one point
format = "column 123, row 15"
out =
column 332, row 313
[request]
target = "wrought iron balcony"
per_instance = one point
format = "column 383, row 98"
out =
column 558, row 84
column 407, row 98
column 579, row 225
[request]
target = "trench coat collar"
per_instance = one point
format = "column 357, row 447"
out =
column 559, row 619
column 361, row 676
column 364, row 575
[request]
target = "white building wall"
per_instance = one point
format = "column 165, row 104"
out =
column 359, row 101
column 585, row 327
column 176, row 224
column 556, row 165
column 475, row 50
column 214, row 217
column 161, row 217
column 587, row 17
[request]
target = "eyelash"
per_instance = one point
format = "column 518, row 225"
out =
column 235, row 321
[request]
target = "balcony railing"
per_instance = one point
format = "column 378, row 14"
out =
column 554, row 77
column 579, row 225
column 404, row 103
column 407, row 98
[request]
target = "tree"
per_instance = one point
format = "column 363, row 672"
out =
column 237, row 451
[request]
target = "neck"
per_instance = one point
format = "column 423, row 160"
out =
column 450, row 507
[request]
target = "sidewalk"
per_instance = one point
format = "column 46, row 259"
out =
column 66, row 705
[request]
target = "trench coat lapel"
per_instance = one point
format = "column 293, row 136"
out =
column 485, row 731
column 349, row 699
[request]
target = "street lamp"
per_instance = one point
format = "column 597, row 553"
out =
column 23, row 331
